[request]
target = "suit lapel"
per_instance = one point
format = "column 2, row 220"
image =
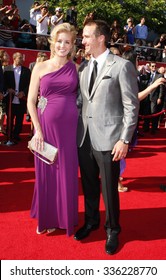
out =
column 12, row 76
column 85, row 78
column 106, row 67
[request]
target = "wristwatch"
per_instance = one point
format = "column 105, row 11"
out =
column 125, row 141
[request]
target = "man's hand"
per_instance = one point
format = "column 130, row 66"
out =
column 1, row 96
column 120, row 150
column 20, row 94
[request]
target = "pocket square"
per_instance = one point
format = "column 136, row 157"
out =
column 106, row 77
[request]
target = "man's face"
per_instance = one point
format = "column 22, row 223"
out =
column 153, row 67
column 18, row 61
column 142, row 21
column 90, row 41
column 44, row 11
column 58, row 13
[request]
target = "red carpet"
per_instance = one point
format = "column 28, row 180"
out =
column 143, row 212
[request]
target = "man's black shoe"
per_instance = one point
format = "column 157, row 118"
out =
column 17, row 138
column 153, row 131
column 146, row 130
column 139, row 134
column 163, row 188
column 85, row 231
column 112, row 243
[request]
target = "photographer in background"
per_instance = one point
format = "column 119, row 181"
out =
column 43, row 22
column 71, row 16
column 160, row 43
column 57, row 18
column 79, row 56
column 25, row 39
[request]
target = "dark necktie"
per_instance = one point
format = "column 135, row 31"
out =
column 93, row 76
column 151, row 78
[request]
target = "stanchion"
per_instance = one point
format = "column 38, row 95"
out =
column 9, row 141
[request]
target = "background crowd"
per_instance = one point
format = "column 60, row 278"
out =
column 104, row 129
column 33, row 33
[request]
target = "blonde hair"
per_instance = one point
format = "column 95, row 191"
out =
column 60, row 28
column 130, row 19
column 2, row 52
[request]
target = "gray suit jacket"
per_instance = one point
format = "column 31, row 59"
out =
column 111, row 112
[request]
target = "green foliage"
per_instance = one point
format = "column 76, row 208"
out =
column 153, row 10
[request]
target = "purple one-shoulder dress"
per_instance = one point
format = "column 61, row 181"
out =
column 55, row 199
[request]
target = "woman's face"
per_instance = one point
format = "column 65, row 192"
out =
column 63, row 44
column 129, row 22
column 91, row 15
column 6, row 58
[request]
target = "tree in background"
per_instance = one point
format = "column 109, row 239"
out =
column 153, row 10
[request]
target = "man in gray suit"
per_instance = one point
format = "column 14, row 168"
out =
column 109, row 116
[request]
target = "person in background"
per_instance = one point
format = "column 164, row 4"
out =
column 141, row 95
column 109, row 112
column 154, row 102
column 4, row 61
column 43, row 22
column 79, row 56
column 129, row 30
column 144, row 93
column 159, row 43
column 71, row 16
column 57, row 18
column 164, row 55
column 88, row 17
column 115, row 50
column 25, row 39
column 4, row 58
column 6, row 38
column 3, row 11
column 1, row 101
column 140, row 50
column 141, row 31
column 34, row 11
column 55, row 199
column 41, row 56
column 115, row 27
column 14, row 17
column 161, row 70
column 16, row 83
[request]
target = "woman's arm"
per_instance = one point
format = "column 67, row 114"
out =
column 31, row 105
column 149, row 89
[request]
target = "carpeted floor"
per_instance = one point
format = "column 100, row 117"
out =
column 143, row 208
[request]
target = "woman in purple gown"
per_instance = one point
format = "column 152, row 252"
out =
column 55, row 199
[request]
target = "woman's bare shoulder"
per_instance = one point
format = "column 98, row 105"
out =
column 41, row 68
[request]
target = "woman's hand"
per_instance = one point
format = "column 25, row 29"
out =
column 39, row 140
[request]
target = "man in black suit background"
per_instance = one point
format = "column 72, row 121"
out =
column 1, row 98
column 16, row 84
column 154, row 101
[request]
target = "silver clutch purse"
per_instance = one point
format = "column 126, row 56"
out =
column 48, row 155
